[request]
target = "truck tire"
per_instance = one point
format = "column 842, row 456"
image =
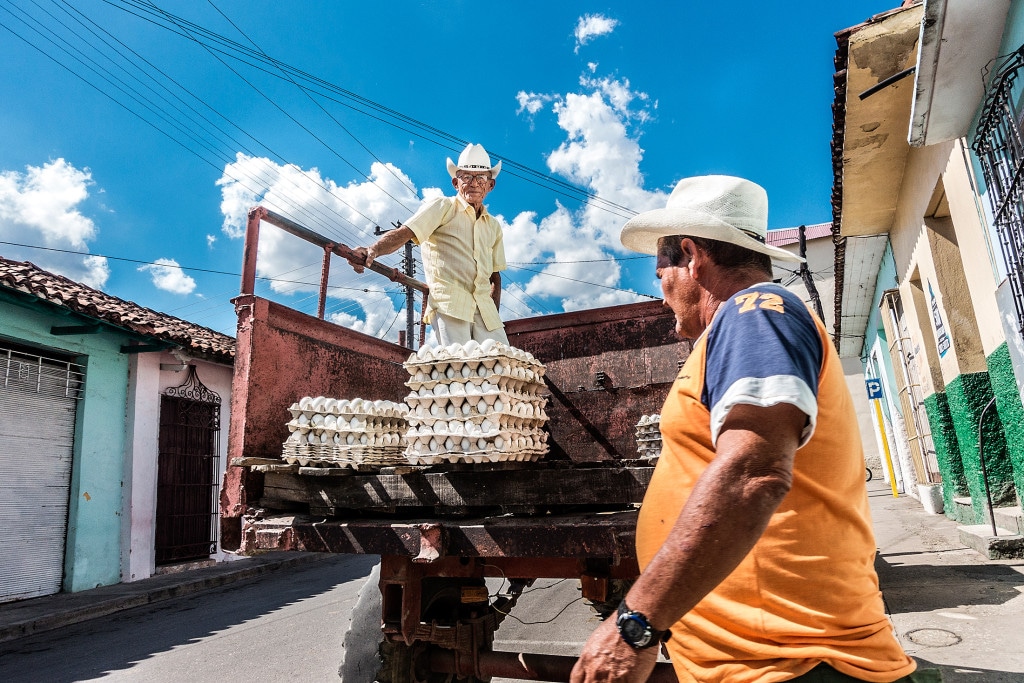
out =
column 360, row 653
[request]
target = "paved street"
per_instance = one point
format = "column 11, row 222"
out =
column 282, row 626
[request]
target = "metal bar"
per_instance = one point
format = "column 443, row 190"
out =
column 341, row 250
column 252, row 239
column 325, row 271
column 984, row 472
column 526, row 666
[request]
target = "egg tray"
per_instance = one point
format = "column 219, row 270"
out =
column 471, row 386
column 461, row 390
column 459, row 408
column 471, row 430
column 341, row 456
column 338, row 406
column 470, row 369
column 503, row 441
column 477, row 457
column 471, row 350
column 476, row 423
column 648, row 439
column 374, row 426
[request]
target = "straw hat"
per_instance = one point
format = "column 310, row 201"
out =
column 714, row 207
column 474, row 159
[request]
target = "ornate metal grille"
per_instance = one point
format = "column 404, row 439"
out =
column 188, row 472
column 1000, row 149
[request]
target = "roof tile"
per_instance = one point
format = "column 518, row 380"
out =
column 57, row 289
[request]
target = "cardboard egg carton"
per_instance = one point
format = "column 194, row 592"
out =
column 502, row 446
column 648, row 436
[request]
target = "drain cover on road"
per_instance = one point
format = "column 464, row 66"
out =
column 933, row 637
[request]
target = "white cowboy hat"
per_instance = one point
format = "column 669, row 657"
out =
column 474, row 159
column 715, row 207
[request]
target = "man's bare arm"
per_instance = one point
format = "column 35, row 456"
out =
column 389, row 243
column 727, row 512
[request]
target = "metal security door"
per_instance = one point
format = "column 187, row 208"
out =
column 38, row 402
column 188, row 472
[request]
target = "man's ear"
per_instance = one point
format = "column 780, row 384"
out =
column 455, row 184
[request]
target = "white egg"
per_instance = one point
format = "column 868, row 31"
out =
column 498, row 405
column 488, row 345
column 486, row 426
column 450, row 410
column 449, row 444
column 350, row 439
column 499, row 442
column 435, row 410
column 467, row 408
column 472, row 346
column 466, row 371
column 457, row 389
column 441, row 390
column 466, row 444
column 499, row 368
column 434, row 374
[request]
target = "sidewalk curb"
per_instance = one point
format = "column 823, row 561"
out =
column 99, row 602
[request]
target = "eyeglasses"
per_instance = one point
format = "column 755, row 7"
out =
column 470, row 179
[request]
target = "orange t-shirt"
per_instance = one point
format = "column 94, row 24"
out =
column 807, row 592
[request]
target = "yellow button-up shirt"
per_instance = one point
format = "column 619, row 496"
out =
column 460, row 252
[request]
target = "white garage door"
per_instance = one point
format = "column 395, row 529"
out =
column 38, row 401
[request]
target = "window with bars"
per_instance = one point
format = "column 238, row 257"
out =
column 999, row 145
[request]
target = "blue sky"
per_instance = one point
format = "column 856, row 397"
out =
column 351, row 126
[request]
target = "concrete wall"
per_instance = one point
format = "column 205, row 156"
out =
column 93, row 548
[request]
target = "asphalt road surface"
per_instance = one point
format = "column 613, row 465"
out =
column 282, row 626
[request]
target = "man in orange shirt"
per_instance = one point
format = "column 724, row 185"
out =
column 754, row 537
column 463, row 253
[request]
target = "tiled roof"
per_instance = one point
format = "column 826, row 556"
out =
column 780, row 238
column 61, row 291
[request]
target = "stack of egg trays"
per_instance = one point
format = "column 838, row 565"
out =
column 346, row 433
column 648, row 436
column 475, row 403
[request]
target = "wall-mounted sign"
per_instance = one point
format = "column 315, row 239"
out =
column 941, row 338
column 874, row 388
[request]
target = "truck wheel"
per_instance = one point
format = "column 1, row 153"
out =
column 360, row 653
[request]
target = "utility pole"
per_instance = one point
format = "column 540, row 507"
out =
column 805, row 274
column 409, row 266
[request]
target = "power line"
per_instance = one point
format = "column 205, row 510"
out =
column 190, row 268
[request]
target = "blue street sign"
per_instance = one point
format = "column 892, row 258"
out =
column 874, row 388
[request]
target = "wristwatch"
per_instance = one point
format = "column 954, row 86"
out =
column 636, row 630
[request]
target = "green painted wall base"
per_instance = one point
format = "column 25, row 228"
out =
column 947, row 453
column 1011, row 412
column 968, row 395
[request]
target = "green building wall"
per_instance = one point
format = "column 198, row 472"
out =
column 1011, row 412
column 947, row 453
column 93, row 546
column 968, row 395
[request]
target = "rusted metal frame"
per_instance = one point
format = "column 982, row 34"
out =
column 325, row 271
column 523, row 666
column 525, row 539
column 401, row 577
column 302, row 232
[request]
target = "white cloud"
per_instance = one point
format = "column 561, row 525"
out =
column 41, row 207
column 168, row 276
column 591, row 26
column 210, row 241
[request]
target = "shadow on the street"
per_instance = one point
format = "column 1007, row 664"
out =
column 963, row 674
column 923, row 588
column 71, row 654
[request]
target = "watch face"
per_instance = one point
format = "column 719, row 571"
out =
column 634, row 631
